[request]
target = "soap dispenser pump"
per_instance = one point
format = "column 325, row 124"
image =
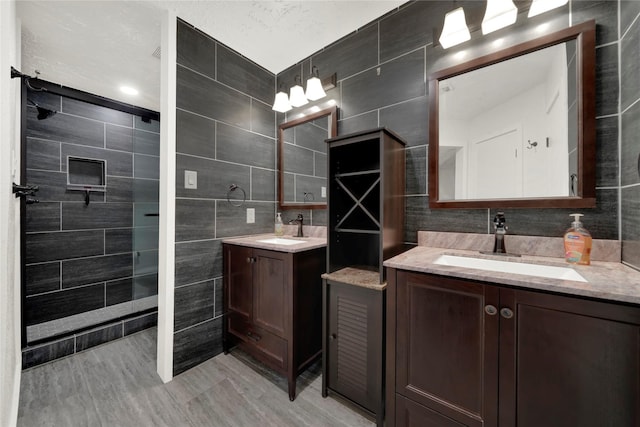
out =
column 577, row 243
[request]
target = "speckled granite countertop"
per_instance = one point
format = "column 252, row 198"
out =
column 357, row 277
column 308, row 243
column 606, row 280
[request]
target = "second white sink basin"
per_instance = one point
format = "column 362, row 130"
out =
column 548, row 271
column 281, row 241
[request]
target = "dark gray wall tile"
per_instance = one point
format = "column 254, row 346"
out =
column 140, row 323
column 244, row 75
column 607, row 152
column 410, row 120
column 232, row 220
column 604, row 12
column 418, row 217
column 195, row 219
column 195, row 135
column 320, row 165
column 118, row 240
column 146, row 166
column 145, row 286
column 629, row 11
column 319, row 217
column 262, row 118
column 607, row 90
column 66, row 128
column 263, row 184
column 119, row 291
column 43, row 217
column 149, row 125
column 198, row 261
column 630, row 154
column 119, row 189
column 209, row 98
column 79, row 272
column 45, row 99
column 194, row 345
column 358, row 123
column 350, row 55
column 411, row 27
column 298, row 160
column 35, row 356
column 56, row 305
column 308, row 184
column 118, row 163
column 78, row 216
column 96, row 112
column 119, row 138
column 196, row 50
column 400, row 80
column 42, row 247
column 416, row 170
column 240, row 146
column 602, row 222
column 97, row 337
column 146, row 190
column 218, row 298
column 631, row 225
column 146, row 142
column 312, row 136
column 214, row 178
column 53, row 187
column 629, row 69
column 289, row 186
column 41, row 278
column 43, row 154
column 193, row 304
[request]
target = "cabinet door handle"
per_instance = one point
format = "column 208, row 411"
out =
column 251, row 259
column 490, row 310
column 253, row 337
column 507, row 313
column 333, row 336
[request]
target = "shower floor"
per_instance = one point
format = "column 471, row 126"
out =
column 83, row 320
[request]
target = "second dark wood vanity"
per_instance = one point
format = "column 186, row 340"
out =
column 273, row 302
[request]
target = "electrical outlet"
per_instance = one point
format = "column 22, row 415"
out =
column 191, row 180
column 323, row 192
column 251, row 215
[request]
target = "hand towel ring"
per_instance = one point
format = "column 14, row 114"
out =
column 233, row 188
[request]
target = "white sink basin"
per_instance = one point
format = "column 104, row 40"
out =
column 548, row 271
column 281, row 241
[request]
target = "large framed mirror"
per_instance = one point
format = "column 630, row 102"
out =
column 302, row 159
column 516, row 128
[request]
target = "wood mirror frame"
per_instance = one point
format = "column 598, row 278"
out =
column 331, row 114
column 584, row 34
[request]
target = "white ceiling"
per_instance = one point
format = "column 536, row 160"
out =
column 97, row 46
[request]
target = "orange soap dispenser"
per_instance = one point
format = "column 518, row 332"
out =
column 577, row 243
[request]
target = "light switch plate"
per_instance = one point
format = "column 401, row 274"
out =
column 323, row 192
column 251, row 215
column 191, row 180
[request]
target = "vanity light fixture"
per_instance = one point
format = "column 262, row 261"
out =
column 542, row 6
column 281, row 104
column 314, row 86
column 296, row 94
column 499, row 14
column 455, row 30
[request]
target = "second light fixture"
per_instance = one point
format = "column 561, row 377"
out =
column 297, row 96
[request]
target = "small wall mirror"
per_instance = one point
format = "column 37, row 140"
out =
column 302, row 160
column 516, row 128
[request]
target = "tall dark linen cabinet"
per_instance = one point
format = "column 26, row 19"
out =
column 366, row 226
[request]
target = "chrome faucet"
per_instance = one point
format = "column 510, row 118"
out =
column 299, row 220
column 501, row 229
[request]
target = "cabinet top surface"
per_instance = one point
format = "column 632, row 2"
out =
column 611, row 281
column 306, row 243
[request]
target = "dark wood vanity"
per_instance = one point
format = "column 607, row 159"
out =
column 475, row 353
column 273, row 305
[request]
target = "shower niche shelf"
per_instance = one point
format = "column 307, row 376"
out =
column 86, row 175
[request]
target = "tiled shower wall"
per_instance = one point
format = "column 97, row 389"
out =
column 81, row 257
column 225, row 133
column 382, row 70
column 630, row 130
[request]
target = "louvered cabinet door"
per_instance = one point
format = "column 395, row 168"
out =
column 355, row 338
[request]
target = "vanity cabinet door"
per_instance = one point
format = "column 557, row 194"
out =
column 447, row 346
column 568, row 362
column 271, row 288
column 239, row 279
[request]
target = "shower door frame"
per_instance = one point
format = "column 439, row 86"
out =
column 78, row 95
